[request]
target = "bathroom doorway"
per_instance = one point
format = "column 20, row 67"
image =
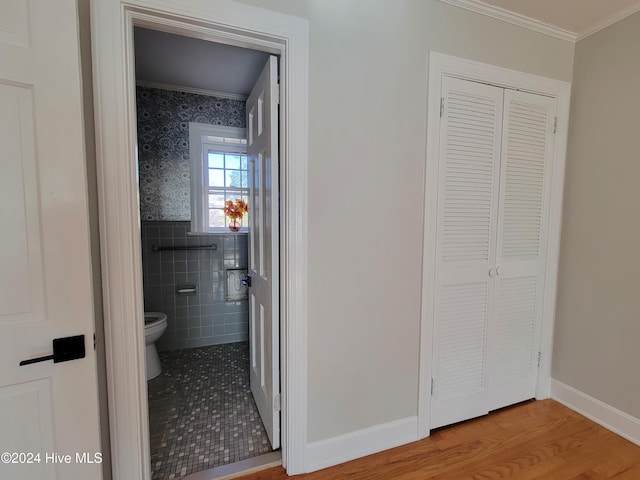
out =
column 202, row 414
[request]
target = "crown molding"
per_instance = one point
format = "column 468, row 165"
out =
column 196, row 91
column 615, row 18
column 521, row 20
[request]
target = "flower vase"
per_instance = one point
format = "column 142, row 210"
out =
column 234, row 226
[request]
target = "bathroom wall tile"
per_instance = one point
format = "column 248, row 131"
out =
column 206, row 321
column 166, row 232
column 193, row 277
column 205, row 276
column 207, row 313
column 152, row 267
column 152, row 279
column 180, row 255
column 181, row 301
column 207, row 331
column 229, row 329
column 206, row 298
column 218, row 330
column 218, row 297
column 167, row 290
column 168, row 277
column 152, row 232
column 193, row 266
column 181, row 334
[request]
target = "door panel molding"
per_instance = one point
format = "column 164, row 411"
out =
column 444, row 65
column 112, row 24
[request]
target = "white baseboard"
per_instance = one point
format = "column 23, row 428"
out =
column 603, row 414
column 361, row 443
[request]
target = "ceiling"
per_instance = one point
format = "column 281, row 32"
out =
column 577, row 17
column 175, row 60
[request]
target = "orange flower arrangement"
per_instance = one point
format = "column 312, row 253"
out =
column 235, row 211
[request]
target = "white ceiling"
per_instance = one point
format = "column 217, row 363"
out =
column 165, row 58
column 579, row 17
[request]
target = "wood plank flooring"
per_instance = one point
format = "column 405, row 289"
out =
column 540, row 440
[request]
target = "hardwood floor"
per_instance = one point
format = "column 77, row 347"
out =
column 535, row 441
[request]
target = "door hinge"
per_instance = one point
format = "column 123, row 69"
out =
column 94, row 341
column 276, row 93
column 539, row 358
column 276, row 403
column 433, row 386
column 441, row 107
column 555, row 125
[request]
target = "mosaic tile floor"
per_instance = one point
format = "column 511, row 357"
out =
column 201, row 411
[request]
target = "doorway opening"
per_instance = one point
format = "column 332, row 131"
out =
column 193, row 158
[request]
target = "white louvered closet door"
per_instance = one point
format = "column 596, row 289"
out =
column 468, row 172
column 493, row 199
column 525, row 176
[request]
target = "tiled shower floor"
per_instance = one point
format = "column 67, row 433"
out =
column 201, row 411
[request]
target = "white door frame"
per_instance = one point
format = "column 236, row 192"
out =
column 222, row 21
column 444, row 65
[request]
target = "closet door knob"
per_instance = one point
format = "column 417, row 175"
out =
column 499, row 271
column 492, row 272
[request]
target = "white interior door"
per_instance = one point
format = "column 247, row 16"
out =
column 45, row 284
column 264, row 309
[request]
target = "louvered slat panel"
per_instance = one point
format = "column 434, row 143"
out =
column 469, row 158
column 527, row 129
column 463, row 321
column 515, row 328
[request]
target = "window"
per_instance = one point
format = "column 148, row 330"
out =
column 219, row 172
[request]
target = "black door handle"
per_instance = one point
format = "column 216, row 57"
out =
column 247, row 282
column 64, row 349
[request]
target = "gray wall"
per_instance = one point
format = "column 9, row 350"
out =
column 193, row 320
column 598, row 312
column 367, row 135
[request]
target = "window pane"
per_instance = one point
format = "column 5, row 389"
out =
column 216, row 160
column 232, row 161
column 244, row 163
column 216, row 177
column 216, row 217
column 233, row 178
column 245, row 180
column 216, row 200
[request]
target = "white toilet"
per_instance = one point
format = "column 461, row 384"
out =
column 155, row 323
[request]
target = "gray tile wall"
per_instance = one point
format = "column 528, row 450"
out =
column 205, row 318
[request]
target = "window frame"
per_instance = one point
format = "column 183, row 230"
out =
column 200, row 142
